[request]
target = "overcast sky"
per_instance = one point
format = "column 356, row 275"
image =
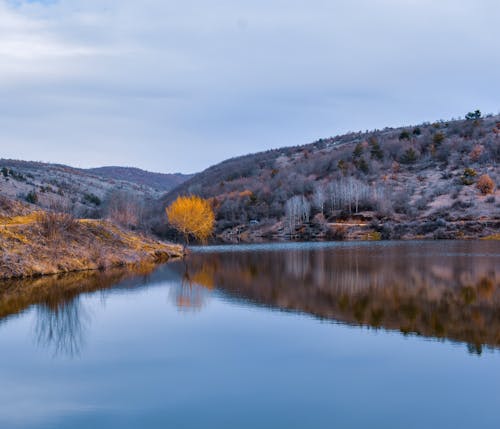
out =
column 180, row 85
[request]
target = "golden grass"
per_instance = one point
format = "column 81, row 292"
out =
column 43, row 243
column 492, row 237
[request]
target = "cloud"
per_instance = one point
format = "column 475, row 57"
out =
column 167, row 85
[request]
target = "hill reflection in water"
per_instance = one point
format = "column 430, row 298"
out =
column 445, row 290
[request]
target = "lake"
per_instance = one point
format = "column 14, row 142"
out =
column 324, row 335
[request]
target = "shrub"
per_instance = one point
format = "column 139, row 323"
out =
column 32, row 197
column 409, row 157
column 438, row 138
column 56, row 225
column 485, row 184
column 358, row 151
column 417, row 131
column 476, row 152
column 92, row 199
column 405, row 135
column 342, row 166
column 363, row 165
column 468, row 176
column 473, row 116
column 376, row 151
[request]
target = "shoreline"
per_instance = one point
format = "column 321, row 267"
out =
column 55, row 244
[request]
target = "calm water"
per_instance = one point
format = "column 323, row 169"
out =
column 384, row 335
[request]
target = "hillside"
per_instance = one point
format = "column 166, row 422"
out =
column 68, row 188
column 158, row 181
column 123, row 195
column 36, row 243
column 434, row 180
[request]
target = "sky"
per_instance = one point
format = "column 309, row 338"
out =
column 177, row 86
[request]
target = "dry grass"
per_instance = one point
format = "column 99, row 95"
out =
column 43, row 243
column 492, row 237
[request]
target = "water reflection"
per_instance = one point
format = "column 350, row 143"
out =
column 62, row 327
column 61, row 317
column 441, row 290
column 445, row 290
column 191, row 293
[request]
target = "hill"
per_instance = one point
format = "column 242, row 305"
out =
column 36, row 243
column 434, row 180
column 158, row 181
column 95, row 193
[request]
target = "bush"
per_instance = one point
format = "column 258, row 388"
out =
column 438, row 138
column 376, row 151
column 32, row 197
column 56, row 225
column 405, row 135
column 92, row 199
column 363, row 165
column 473, row 116
column 485, row 184
column 409, row 157
column 468, row 176
column 358, row 151
column 476, row 152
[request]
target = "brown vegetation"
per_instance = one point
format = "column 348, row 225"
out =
column 46, row 243
column 485, row 184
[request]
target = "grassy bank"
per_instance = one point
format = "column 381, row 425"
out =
column 42, row 243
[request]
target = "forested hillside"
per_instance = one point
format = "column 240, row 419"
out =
column 432, row 180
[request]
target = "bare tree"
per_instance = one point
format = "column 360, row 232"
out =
column 123, row 208
column 319, row 197
column 297, row 210
column 348, row 194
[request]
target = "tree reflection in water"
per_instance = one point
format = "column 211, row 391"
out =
column 191, row 293
column 61, row 325
column 442, row 290
column 61, row 318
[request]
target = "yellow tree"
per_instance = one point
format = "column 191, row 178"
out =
column 192, row 216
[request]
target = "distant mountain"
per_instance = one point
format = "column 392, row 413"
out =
column 158, row 181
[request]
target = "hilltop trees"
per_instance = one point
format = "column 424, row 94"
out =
column 473, row 116
column 192, row 216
